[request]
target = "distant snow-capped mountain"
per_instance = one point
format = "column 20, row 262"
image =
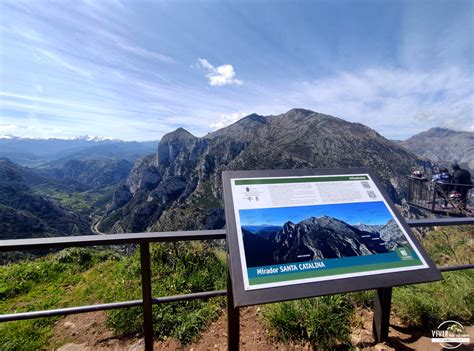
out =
column 76, row 138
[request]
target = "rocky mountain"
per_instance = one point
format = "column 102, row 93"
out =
column 319, row 238
column 179, row 187
column 389, row 233
column 24, row 214
column 392, row 235
column 443, row 146
column 38, row 152
column 97, row 173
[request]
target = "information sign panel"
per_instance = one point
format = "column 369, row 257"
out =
column 297, row 233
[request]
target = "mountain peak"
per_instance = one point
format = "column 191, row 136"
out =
column 440, row 129
column 301, row 111
column 320, row 220
column 178, row 134
column 443, row 146
column 174, row 143
column 255, row 118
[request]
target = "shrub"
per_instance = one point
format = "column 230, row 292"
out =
column 177, row 268
column 84, row 257
column 324, row 322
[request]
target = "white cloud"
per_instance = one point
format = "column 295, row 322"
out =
column 221, row 75
column 122, row 44
column 227, row 119
column 62, row 62
column 395, row 102
column 7, row 128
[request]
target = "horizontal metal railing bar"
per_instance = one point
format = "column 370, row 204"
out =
column 108, row 306
column 108, row 239
column 130, row 238
column 68, row 310
column 456, row 268
column 200, row 295
column 432, row 222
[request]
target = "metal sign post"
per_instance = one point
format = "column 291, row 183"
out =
column 381, row 321
column 233, row 318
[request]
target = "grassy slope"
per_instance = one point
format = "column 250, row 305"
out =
column 85, row 276
column 79, row 276
column 453, row 298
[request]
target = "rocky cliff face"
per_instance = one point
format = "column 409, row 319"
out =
column 191, row 167
column 443, row 146
column 318, row 238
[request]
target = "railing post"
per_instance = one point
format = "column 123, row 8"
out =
column 146, row 294
column 233, row 319
column 381, row 321
column 433, row 205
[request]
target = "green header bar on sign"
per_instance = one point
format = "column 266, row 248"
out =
column 299, row 180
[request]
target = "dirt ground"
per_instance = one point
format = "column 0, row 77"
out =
column 87, row 332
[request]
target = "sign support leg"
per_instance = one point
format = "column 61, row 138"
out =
column 381, row 321
column 146, row 293
column 233, row 319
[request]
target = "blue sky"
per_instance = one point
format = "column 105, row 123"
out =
column 372, row 213
column 138, row 69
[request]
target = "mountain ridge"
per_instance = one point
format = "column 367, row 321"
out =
column 296, row 139
column 443, row 146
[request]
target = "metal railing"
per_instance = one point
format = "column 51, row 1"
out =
column 442, row 198
column 383, row 296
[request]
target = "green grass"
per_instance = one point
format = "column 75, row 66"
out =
column 450, row 245
column 79, row 276
column 177, row 269
column 427, row 305
column 80, row 201
column 324, row 322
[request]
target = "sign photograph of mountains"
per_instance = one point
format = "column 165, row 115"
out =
column 118, row 119
column 283, row 236
column 325, row 237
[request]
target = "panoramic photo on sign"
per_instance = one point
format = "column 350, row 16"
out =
column 302, row 229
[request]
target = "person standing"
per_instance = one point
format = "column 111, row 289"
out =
column 461, row 180
column 443, row 184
